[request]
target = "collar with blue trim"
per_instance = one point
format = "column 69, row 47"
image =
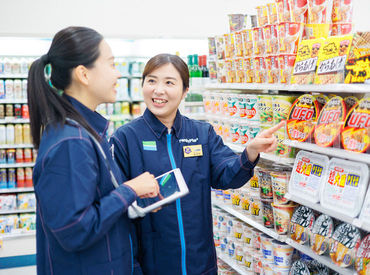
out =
column 158, row 127
column 96, row 121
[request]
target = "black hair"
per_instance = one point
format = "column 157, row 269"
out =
column 71, row 47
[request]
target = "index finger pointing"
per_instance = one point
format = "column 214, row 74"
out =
column 275, row 128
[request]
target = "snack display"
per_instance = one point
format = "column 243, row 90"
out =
column 236, row 22
column 321, row 232
column 298, row 9
column 362, row 263
column 280, row 180
column 272, row 68
column 342, row 11
column 320, row 11
column 299, row 268
column 286, row 65
column 290, row 34
column 282, row 216
column 301, row 224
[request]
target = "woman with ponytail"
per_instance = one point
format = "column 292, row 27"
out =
column 82, row 198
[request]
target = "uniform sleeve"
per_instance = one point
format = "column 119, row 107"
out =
column 119, row 144
column 66, row 192
column 229, row 170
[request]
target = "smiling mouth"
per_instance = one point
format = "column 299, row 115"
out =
column 159, row 101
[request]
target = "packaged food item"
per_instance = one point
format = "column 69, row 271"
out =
column 232, row 105
column 280, row 180
column 235, row 199
column 28, row 177
column 234, row 132
column 256, row 241
column 8, row 202
column 282, row 256
column 350, row 101
column 238, row 40
column 262, row 15
column 330, row 123
column 26, row 201
column 299, row 268
column 247, row 236
column 229, row 45
column 230, row 71
column 254, row 183
column 355, row 136
column 362, row 263
column 267, row 249
column 243, row 131
column 306, row 61
column 345, row 185
column 259, row 47
column 339, row 29
column 315, row 31
column 2, row 156
column 317, row 268
column 2, row 89
column 321, row 100
column 249, row 70
column 344, row 244
column 220, row 47
column 247, row 36
column 226, row 134
column 272, row 67
column 10, row 134
column 332, row 59
column 257, row 264
column 283, row 7
column 264, row 180
column 272, row 13
column 27, row 222
column 301, row 224
column 236, row 22
column 256, row 209
column 248, row 260
column 321, row 232
column 265, row 109
column 286, row 64
column 212, row 46
column 239, row 70
column 282, row 216
column 282, row 149
column 281, row 105
column 320, row 11
column 290, row 35
column 342, row 11
column 268, row 215
column 298, row 9
column 271, row 39
column 221, row 71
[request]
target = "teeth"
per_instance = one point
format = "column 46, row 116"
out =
column 159, row 101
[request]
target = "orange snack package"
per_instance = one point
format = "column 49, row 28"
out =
column 260, row 69
column 298, row 10
column 271, row 39
column 272, row 67
column 342, row 11
column 229, row 45
column 247, row 36
column 259, row 46
column 239, row 68
column 283, row 9
column 319, row 11
column 289, row 34
column 248, row 65
column 286, row 64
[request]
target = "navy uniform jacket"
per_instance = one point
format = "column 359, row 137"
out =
column 82, row 225
column 178, row 239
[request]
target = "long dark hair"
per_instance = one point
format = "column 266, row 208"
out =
column 71, row 47
column 162, row 59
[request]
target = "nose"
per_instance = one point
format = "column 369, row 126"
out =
column 159, row 89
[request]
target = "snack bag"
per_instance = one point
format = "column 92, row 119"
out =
column 260, row 69
column 272, row 67
column 248, row 65
column 259, row 46
column 230, row 71
column 306, row 61
column 342, row 11
column 247, row 36
column 271, row 40
column 229, row 45
column 283, row 9
column 220, row 47
column 238, row 44
column 289, row 34
column 239, row 68
column 286, row 63
column 298, row 10
column 332, row 60
column 221, row 71
column 319, row 11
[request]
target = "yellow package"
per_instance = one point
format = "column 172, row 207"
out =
column 332, row 59
column 306, row 61
column 229, row 45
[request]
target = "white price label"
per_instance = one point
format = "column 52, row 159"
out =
column 305, row 66
column 332, row 65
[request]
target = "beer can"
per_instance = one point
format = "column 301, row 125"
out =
column 18, row 110
column 2, row 89
column 10, row 156
column 2, row 156
column 27, row 156
column 3, row 178
column 11, row 178
column 17, row 89
column 10, row 134
column 26, row 134
column 20, row 177
column 9, row 89
column 28, row 177
column 2, row 111
column 19, row 155
column 9, row 110
column 2, row 134
column 25, row 111
column 24, row 89
column 18, row 134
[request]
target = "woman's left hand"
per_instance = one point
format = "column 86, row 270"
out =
column 264, row 142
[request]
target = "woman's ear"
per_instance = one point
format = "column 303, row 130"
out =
column 80, row 74
column 185, row 93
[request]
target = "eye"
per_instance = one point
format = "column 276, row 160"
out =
column 170, row 83
column 151, row 81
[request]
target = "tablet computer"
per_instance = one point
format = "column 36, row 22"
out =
column 171, row 185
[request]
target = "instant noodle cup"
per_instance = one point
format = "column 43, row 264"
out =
column 223, row 105
column 280, row 181
column 355, row 136
column 268, row 215
column 319, row 11
column 257, row 264
column 272, row 13
column 256, row 241
column 302, row 118
column 242, row 105
column 226, row 134
column 316, row 267
column 283, row 8
column 245, row 200
column 248, row 260
column 260, row 69
column 229, row 45
column 267, row 250
column 247, row 236
column 247, row 36
column 239, row 254
column 227, row 196
column 362, row 263
column 221, row 71
column 220, row 47
column 339, row 29
column 265, row 109
column 271, row 39
column 282, row 216
column 236, row 22
column 254, row 185
column 243, row 131
column 315, row 31
column 262, row 15
column 234, row 132
column 272, row 66
column 231, row 246
column 350, row 101
column 239, row 70
column 342, row 11
column 321, row 232
column 282, row 256
column 321, row 100
column 264, row 180
column 251, row 108
column 253, row 130
column 256, row 209
column 212, row 67
column 232, row 105
column 298, row 9
column 259, row 47
column 235, row 199
column 299, row 268
column 286, row 64
column 344, row 244
column 249, row 70
column 238, row 44
column 290, row 35
column 281, row 105
column 330, row 123
column 301, row 224
column 212, row 46
column 230, row 71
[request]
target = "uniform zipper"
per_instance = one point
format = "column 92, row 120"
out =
column 132, row 254
column 178, row 209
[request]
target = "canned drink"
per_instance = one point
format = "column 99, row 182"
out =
column 125, row 108
column 27, row 156
column 18, row 133
column 24, row 89
column 3, row 178
column 10, row 156
column 2, row 156
column 9, row 110
column 17, row 89
column 34, row 154
column 19, row 155
column 2, row 89
column 2, row 134
column 2, row 111
column 11, row 178
column 25, row 111
column 20, row 177
column 26, row 134
column 18, row 110
column 28, row 177
column 10, row 134
column 9, row 89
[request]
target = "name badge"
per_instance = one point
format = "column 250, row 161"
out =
column 193, row 151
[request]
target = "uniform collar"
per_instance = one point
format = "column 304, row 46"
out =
column 96, row 121
column 158, row 127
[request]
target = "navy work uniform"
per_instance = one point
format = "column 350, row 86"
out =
column 178, row 239
column 82, row 223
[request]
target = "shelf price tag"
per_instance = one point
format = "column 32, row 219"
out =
column 334, row 64
column 305, row 66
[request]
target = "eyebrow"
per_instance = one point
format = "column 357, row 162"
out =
column 168, row 77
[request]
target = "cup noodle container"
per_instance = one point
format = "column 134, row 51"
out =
column 314, row 31
column 264, row 180
column 283, row 150
column 247, row 36
column 282, row 216
column 280, row 181
column 238, row 230
column 238, row 40
column 239, row 254
column 223, row 242
column 254, row 186
column 265, row 109
column 256, row 241
column 234, row 131
column 259, row 46
column 221, row 71
column 267, row 250
column 362, row 263
column 301, row 224
column 272, row 13
column 319, row 11
column 227, row 196
column 236, row 199
column 282, row 257
column 286, row 65
column 321, row 232
column 245, row 202
column 267, row 212
column 248, row 236
column 232, row 105
column 298, row 10
column 226, row 134
column 239, row 70
column 289, row 36
column 248, row 67
column 236, row 22
column 243, row 131
column 272, row 68
column 262, row 15
column 229, row 40
column 260, row 70
column 299, row 267
column 339, row 29
column 281, row 105
column 271, row 39
column 223, row 105
column 342, row 11
column 256, row 209
column 283, row 9
column 257, row 264
column 230, row 71
column 231, row 246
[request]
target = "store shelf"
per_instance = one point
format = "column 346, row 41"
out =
column 5, row 76
column 18, row 235
column 13, row 101
column 17, row 211
column 131, row 76
column 285, row 161
column 231, row 263
column 16, row 190
column 17, row 165
column 11, row 146
column 193, row 103
column 249, row 221
column 324, row 259
column 329, row 88
column 196, row 116
column 334, row 152
column 14, row 120
column 119, row 117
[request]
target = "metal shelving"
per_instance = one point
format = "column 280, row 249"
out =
column 11, row 146
column 17, row 211
column 13, row 101
column 13, row 120
column 231, row 263
column 18, row 235
column 16, row 190
column 5, row 76
column 17, row 165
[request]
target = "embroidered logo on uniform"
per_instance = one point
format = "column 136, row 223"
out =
column 149, row 145
column 193, row 151
column 188, row 140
